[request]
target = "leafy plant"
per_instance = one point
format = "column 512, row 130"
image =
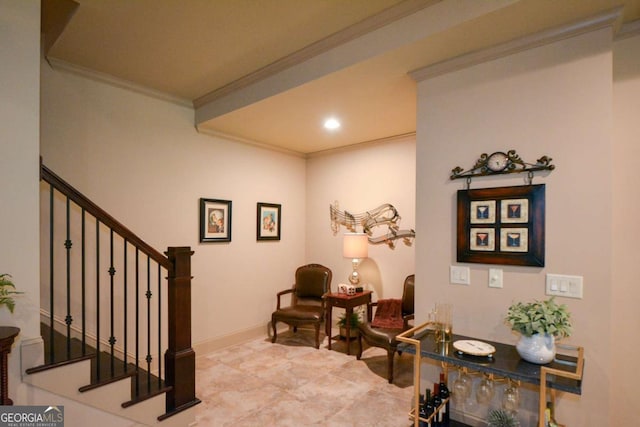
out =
column 501, row 418
column 7, row 289
column 540, row 317
column 354, row 320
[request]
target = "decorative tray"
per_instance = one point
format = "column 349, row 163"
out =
column 474, row 348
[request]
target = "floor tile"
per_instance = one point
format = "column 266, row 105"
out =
column 291, row 383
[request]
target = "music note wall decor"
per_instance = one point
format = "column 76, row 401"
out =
column 385, row 214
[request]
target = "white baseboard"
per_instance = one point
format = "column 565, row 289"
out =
column 31, row 353
column 209, row 346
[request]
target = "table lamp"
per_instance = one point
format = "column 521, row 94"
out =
column 356, row 247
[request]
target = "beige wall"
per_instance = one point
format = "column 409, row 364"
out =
column 625, row 316
column 553, row 100
column 19, row 163
column 360, row 180
column 142, row 160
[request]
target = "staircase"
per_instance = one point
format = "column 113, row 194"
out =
column 116, row 314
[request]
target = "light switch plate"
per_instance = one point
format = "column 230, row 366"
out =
column 495, row 277
column 564, row 286
column 459, row 275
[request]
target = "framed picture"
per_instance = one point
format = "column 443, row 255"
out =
column 215, row 220
column 503, row 225
column 268, row 226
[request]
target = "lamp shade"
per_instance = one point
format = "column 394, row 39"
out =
column 355, row 245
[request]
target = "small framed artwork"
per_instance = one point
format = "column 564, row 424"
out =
column 483, row 212
column 268, row 217
column 215, row 220
column 514, row 239
column 482, row 239
column 514, row 211
column 503, row 225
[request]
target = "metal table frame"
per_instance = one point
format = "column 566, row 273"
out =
column 564, row 373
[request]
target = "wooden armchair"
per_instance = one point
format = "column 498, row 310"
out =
column 385, row 337
column 307, row 304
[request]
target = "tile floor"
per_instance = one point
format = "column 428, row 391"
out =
column 290, row 383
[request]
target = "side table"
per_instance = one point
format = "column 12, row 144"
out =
column 7, row 335
column 348, row 302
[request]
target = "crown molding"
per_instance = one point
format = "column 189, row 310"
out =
column 58, row 64
column 246, row 141
column 629, row 29
column 531, row 41
column 359, row 145
column 319, row 153
column 336, row 39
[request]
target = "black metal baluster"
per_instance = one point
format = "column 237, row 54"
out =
column 126, row 273
column 51, row 271
column 84, row 291
column 148, row 295
column 67, row 244
column 159, row 326
column 98, row 299
column 112, row 338
column 137, row 337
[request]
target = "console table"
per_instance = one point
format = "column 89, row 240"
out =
column 7, row 335
column 348, row 302
column 564, row 373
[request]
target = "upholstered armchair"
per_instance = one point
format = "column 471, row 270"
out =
column 312, row 281
column 389, row 322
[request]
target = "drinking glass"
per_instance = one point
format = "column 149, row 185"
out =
column 511, row 397
column 485, row 390
column 462, row 386
column 444, row 322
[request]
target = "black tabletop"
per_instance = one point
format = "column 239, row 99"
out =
column 505, row 362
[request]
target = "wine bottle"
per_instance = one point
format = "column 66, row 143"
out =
column 428, row 406
column 444, row 395
column 421, row 412
column 437, row 419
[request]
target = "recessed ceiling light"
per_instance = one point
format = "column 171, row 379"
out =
column 331, row 124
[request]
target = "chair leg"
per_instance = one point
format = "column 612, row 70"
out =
column 359, row 355
column 317, row 326
column 390, row 354
column 275, row 334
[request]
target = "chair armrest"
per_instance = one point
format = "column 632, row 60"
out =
column 370, row 306
column 406, row 319
column 279, row 294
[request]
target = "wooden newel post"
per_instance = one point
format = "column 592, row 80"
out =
column 180, row 359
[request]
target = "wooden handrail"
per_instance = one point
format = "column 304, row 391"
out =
column 101, row 215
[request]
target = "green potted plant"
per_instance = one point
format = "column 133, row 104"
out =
column 7, row 290
column 540, row 323
column 354, row 322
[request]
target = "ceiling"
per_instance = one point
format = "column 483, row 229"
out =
column 268, row 72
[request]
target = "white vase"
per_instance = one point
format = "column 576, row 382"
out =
column 538, row 348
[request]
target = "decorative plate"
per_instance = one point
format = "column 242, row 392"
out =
column 475, row 348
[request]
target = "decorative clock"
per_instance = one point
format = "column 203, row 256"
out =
column 502, row 163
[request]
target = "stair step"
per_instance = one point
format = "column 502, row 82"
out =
column 105, row 369
column 63, row 350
